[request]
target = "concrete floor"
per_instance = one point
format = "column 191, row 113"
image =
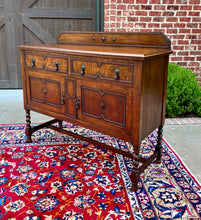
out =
column 184, row 139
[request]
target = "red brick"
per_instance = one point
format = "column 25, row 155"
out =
column 194, row 64
column 146, row 7
column 182, row 63
column 112, row 18
column 168, row 13
column 183, row 42
column 152, row 25
column 172, row 31
column 159, row 7
column 145, row 19
column 194, row 2
column 179, row 25
column 196, row 31
column 113, row 6
column 181, row 13
column 195, row 53
column 158, row 19
column 199, row 58
column 178, row 36
column 181, row 2
column 121, row 19
column 182, row 30
column 191, row 37
column 189, row 58
column 133, row 7
column 197, row 7
column 194, row 13
column 196, row 19
column 128, row 1
column 119, row 13
column 141, row 25
column 192, row 25
column 198, row 42
column 133, row 19
column 155, row 13
column 168, row 1
column 172, row 7
column 121, row 7
column 167, row 25
column 171, row 19
column 186, row 7
column 178, row 47
column 183, row 53
column 141, row 1
column 155, row 2
column 191, row 47
column 141, row 13
column 185, row 19
column 176, row 58
column 158, row 30
column 113, row 12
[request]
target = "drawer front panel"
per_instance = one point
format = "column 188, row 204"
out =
column 45, row 93
column 56, row 64
column 121, row 71
column 84, row 67
column 104, row 105
column 35, row 61
column 114, row 70
column 46, row 62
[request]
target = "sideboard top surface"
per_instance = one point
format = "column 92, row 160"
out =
column 133, row 52
column 133, row 45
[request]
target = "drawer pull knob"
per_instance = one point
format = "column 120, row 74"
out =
column 33, row 62
column 56, row 65
column 116, row 72
column 44, row 91
column 102, row 105
column 103, row 38
column 83, row 67
column 63, row 99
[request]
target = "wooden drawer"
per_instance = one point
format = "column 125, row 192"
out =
column 112, row 70
column 46, row 62
column 56, row 64
column 35, row 61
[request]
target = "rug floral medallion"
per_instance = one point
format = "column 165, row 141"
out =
column 58, row 177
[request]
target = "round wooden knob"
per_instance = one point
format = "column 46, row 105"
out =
column 102, row 104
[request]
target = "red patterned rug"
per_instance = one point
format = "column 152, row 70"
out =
column 58, row 177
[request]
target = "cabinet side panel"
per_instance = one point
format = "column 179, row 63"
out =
column 152, row 96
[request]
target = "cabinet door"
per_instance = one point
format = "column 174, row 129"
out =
column 105, row 105
column 45, row 91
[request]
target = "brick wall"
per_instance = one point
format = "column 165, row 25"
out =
column 179, row 20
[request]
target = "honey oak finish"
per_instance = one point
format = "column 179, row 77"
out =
column 114, row 83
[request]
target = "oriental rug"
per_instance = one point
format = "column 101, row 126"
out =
column 58, row 177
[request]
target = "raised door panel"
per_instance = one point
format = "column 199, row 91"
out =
column 45, row 92
column 105, row 105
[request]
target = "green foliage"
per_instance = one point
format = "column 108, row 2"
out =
column 183, row 92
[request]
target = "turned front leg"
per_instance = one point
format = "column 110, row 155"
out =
column 135, row 176
column 28, row 130
column 159, row 144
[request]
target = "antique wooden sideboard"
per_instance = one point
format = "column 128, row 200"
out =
column 114, row 83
